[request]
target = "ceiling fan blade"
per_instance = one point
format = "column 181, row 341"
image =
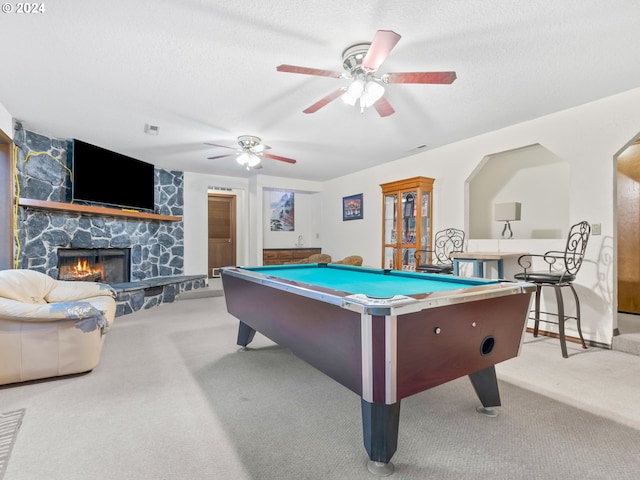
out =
column 382, row 44
column 218, row 145
column 329, row 98
column 383, row 107
column 419, row 77
column 309, row 71
column 277, row 157
column 220, row 156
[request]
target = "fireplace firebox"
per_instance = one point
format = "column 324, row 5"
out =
column 106, row 265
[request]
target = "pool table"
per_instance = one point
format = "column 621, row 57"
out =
column 383, row 334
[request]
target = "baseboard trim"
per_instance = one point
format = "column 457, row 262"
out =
column 591, row 343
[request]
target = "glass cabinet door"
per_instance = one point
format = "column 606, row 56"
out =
column 408, row 259
column 390, row 219
column 389, row 257
column 425, row 214
column 409, row 217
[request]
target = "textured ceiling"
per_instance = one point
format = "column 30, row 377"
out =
column 205, row 71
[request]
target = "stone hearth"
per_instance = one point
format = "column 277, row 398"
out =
column 133, row 296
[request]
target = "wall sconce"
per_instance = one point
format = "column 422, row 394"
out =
column 507, row 212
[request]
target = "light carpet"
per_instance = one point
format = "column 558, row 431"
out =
column 288, row 421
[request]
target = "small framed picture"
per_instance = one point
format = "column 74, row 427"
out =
column 352, row 207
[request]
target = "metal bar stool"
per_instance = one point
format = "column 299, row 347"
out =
column 445, row 243
column 562, row 271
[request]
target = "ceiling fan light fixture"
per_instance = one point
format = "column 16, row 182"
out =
column 353, row 93
column 362, row 61
column 248, row 159
column 243, row 158
column 373, row 91
column 251, row 151
column 254, row 161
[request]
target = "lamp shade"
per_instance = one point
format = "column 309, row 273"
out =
column 507, row 212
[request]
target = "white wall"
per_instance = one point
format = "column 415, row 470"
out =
column 251, row 216
column 307, row 222
column 6, row 122
column 587, row 137
column 310, row 206
column 517, row 176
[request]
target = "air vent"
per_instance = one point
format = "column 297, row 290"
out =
column 151, row 129
column 419, row 148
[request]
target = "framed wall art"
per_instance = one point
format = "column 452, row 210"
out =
column 282, row 206
column 352, row 207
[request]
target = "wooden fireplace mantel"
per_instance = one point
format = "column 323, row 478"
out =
column 91, row 210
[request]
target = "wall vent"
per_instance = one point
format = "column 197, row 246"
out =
column 151, row 129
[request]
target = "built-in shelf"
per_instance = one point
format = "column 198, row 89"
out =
column 91, row 210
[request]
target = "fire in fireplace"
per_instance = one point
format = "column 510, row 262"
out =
column 107, row 265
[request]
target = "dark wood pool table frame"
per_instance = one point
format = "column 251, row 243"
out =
column 385, row 350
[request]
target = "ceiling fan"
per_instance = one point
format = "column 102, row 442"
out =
column 250, row 153
column 361, row 62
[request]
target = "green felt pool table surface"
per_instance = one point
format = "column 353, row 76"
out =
column 375, row 283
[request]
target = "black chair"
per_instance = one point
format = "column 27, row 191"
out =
column 445, row 243
column 562, row 270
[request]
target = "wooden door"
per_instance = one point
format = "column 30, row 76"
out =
column 629, row 230
column 6, row 203
column 222, row 231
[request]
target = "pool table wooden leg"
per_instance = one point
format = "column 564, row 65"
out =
column 485, row 384
column 380, row 431
column 245, row 334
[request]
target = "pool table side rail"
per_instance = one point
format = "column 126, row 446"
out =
column 397, row 305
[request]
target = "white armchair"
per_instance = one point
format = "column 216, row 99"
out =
column 50, row 327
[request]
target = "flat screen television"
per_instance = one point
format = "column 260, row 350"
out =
column 111, row 179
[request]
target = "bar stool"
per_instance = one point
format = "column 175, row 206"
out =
column 445, row 243
column 562, row 271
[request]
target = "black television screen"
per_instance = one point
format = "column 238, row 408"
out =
column 109, row 178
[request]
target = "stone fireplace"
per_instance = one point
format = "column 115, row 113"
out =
column 156, row 248
column 140, row 256
column 106, row 265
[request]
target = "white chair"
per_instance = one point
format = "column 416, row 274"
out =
column 50, row 327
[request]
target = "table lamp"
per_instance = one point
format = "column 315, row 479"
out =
column 507, row 212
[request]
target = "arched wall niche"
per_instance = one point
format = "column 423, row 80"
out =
column 531, row 175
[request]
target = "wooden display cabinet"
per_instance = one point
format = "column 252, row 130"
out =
column 407, row 208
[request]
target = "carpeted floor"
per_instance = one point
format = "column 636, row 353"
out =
column 9, row 425
column 173, row 398
column 288, row 421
